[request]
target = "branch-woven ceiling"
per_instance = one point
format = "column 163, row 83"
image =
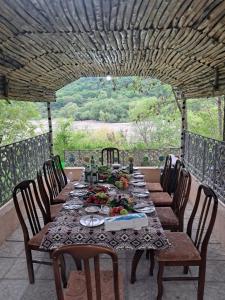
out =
column 46, row 44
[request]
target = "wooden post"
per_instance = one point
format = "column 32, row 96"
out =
column 224, row 118
column 50, row 128
column 183, row 125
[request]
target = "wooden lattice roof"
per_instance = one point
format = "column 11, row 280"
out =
column 45, row 44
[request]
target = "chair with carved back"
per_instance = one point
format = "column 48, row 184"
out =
column 60, row 171
column 26, row 201
column 50, row 210
column 162, row 186
column 165, row 198
column 88, row 284
column 52, row 181
column 112, row 156
column 190, row 249
column 172, row 218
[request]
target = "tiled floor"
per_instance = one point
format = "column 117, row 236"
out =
column 14, row 283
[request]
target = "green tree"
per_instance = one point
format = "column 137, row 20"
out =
column 15, row 120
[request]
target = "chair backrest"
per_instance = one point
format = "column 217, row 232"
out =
column 165, row 177
column 44, row 196
column 31, row 200
column 60, row 172
column 112, row 155
column 205, row 208
column 51, row 179
column 181, row 196
column 85, row 253
column 174, row 176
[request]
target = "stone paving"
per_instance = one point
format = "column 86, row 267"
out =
column 14, row 283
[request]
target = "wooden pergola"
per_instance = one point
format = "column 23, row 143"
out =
column 45, row 45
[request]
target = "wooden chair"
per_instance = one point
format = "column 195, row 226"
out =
column 164, row 198
column 189, row 249
column 28, row 211
column 51, row 211
column 60, row 172
column 88, row 284
column 52, row 181
column 162, row 186
column 172, row 218
column 112, row 156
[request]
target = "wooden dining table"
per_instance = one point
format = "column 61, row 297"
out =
column 67, row 230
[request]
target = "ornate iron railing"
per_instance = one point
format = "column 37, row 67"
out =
column 147, row 157
column 20, row 161
column 205, row 159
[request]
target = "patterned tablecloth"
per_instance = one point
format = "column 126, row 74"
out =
column 66, row 230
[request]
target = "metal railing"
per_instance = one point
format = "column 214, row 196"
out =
column 146, row 157
column 20, row 161
column 205, row 159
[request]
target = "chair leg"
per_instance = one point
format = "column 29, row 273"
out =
column 30, row 267
column 185, row 271
column 63, row 271
column 152, row 262
column 78, row 264
column 135, row 261
column 160, row 281
column 201, row 282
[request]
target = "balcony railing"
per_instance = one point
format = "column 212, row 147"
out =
column 147, row 157
column 20, row 161
column 205, row 158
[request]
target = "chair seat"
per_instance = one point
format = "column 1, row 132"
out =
column 161, row 199
column 167, row 218
column 55, row 209
column 76, row 287
column 35, row 242
column 154, row 187
column 182, row 249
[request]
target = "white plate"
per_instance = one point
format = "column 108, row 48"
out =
column 74, row 206
column 78, row 193
column 138, row 176
column 80, row 186
column 146, row 210
column 141, row 195
column 92, row 209
column 92, row 220
column 139, row 184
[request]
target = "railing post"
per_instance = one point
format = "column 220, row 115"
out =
column 204, row 160
column 50, row 128
column 183, row 125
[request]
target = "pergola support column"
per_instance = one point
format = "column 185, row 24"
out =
column 224, row 118
column 50, row 128
column 183, row 125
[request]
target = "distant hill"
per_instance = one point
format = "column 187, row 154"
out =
column 96, row 98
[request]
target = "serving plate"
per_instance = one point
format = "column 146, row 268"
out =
column 74, row 206
column 92, row 209
column 141, row 195
column 79, row 185
column 138, row 176
column 146, row 209
column 92, row 220
column 139, row 184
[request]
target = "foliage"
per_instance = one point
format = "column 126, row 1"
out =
column 65, row 138
column 15, row 120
